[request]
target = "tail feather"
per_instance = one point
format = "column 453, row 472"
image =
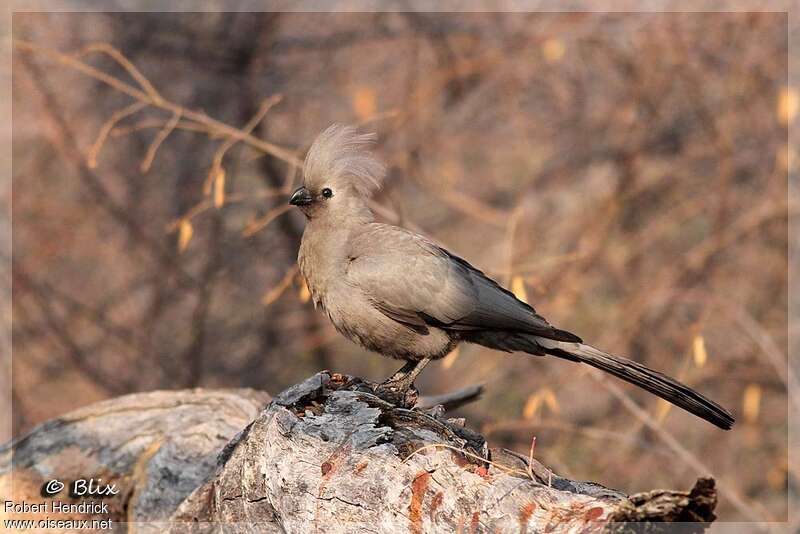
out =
column 657, row 383
column 635, row 373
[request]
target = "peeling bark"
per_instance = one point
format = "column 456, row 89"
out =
column 326, row 455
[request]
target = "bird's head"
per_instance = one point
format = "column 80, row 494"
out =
column 339, row 174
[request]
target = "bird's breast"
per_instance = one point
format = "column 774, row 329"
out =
column 356, row 318
column 352, row 312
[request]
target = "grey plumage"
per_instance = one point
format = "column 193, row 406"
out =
column 399, row 294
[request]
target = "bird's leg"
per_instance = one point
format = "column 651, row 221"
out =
column 402, row 372
column 417, row 369
column 405, row 376
column 399, row 388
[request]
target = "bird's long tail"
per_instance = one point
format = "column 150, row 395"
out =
column 635, row 373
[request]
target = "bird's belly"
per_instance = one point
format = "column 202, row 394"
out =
column 360, row 322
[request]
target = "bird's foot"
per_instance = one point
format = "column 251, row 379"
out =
column 399, row 393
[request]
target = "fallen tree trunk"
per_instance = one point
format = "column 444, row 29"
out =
column 326, row 455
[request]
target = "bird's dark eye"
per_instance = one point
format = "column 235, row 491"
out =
column 327, row 193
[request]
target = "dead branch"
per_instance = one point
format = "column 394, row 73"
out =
column 156, row 100
column 160, row 138
column 325, row 455
column 94, row 150
column 216, row 166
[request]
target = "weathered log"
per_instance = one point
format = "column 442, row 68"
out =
column 155, row 447
column 326, row 455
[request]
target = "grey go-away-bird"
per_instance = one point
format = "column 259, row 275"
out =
column 399, row 294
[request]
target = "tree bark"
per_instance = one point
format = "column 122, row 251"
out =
column 327, row 455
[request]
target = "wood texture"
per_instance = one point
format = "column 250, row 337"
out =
column 327, row 455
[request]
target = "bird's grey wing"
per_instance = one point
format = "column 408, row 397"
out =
column 499, row 309
column 418, row 283
column 407, row 278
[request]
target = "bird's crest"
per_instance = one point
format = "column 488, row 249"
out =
column 341, row 155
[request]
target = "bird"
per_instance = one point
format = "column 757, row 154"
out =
column 399, row 294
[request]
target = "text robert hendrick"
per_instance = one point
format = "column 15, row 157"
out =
column 56, row 507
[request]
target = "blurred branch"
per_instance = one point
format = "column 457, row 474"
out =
column 94, row 150
column 150, row 123
column 65, row 143
column 110, row 381
column 768, row 346
column 200, row 122
column 155, row 100
column 194, row 353
column 262, row 222
column 697, row 260
column 235, row 198
column 679, row 449
column 452, row 399
column 216, row 166
column 105, row 48
column 275, row 293
column 77, row 309
column 160, row 137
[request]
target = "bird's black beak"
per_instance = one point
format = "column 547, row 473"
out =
column 301, row 197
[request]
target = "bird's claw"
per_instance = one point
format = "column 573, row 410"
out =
column 398, row 393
